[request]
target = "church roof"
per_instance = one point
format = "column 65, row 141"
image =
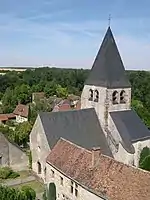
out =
column 108, row 69
column 108, row 178
column 130, row 126
column 81, row 127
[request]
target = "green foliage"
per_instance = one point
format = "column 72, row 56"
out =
column 29, row 192
column 143, row 112
column 52, row 192
column 45, row 195
column 144, row 162
column 26, row 193
column 18, row 87
column 21, row 133
column 6, row 172
column 30, row 160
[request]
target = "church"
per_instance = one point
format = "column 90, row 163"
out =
column 105, row 120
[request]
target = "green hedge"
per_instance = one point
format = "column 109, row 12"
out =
column 6, row 172
column 25, row 193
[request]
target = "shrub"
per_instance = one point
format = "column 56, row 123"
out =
column 6, row 172
column 30, row 160
column 144, row 153
column 14, row 175
column 29, row 192
column 146, row 163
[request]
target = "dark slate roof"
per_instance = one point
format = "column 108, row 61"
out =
column 78, row 126
column 130, row 126
column 108, row 70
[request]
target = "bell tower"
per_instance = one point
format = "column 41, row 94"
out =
column 107, row 88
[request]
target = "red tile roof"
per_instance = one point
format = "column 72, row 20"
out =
column 109, row 177
column 10, row 116
column 22, row 110
column 3, row 117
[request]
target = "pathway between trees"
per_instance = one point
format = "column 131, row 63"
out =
column 19, row 181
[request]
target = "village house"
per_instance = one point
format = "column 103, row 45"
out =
column 21, row 113
column 82, row 174
column 6, row 117
column 11, row 155
column 105, row 120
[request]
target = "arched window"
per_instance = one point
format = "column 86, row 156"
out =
column 90, row 95
column 96, row 96
column 39, row 167
column 115, row 97
column 122, row 97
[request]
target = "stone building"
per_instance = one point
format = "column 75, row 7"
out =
column 79, row 126
column 11, row 155
column 105, row 119
column 108, row 90
column 21, row 113
column 82, row 174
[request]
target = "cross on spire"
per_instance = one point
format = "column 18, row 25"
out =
column 109, row 20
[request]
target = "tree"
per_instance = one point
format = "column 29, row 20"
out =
column 28, row 192
column 21, row 133
column 144, row 162
column 61, row 92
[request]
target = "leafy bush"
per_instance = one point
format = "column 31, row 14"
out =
column 26, row 193
column 144, row 162
column 6, row 172
column 29, row 192
column 14, row 175
column 30, row 160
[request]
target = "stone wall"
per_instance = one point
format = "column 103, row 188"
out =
column 39, row 148
column 138, row 148
column 119, row 106
column 12, row 156
column 4, row 150
column 99, row 106
column 18, row 159
column 63, row 186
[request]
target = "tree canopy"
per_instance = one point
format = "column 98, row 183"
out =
column 17, row 87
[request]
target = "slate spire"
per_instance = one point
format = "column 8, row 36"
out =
column 108, row 70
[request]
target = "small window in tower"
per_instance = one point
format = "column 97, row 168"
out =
column 122, row 97
column 90, row 95
column 115, row 97
column 96, row 96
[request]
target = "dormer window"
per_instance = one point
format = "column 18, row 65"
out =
column 96, row 96
column 115, row 97
column 90, row 95
column 122, row 97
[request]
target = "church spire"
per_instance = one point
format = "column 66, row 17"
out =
column 109, row 20
column 108, row 70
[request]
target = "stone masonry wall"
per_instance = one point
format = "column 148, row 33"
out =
column 63, row 191
column 39, row 147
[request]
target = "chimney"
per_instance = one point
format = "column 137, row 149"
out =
column 96, row 152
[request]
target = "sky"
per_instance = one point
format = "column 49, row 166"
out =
column 68, row 33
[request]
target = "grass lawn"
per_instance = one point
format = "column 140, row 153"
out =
column 36, row 185
column 24, row 174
